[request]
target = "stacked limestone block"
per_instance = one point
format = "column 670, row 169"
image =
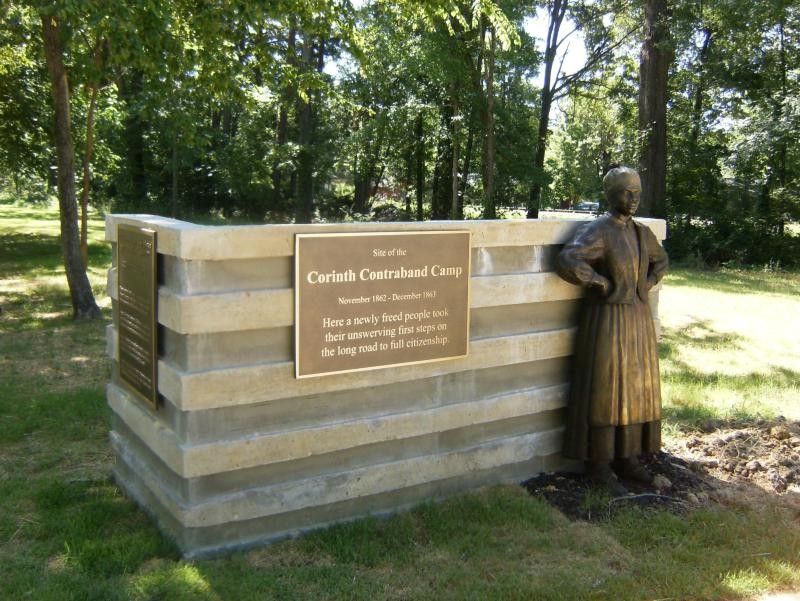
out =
column 240, row 452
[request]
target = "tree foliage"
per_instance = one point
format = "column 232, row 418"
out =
column 393, row 109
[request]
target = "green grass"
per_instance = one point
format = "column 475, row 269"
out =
column 730, row 346
column 67, row 532
column 32, row 272
column 738, row 281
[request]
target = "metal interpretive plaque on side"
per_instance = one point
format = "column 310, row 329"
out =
column 365, row 301
column 137, row 311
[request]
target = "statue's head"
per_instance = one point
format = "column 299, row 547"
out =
column 623, row 188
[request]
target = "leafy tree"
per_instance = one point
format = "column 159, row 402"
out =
column 589, row 142
column 729, row 126
column 25, row 106
column 307, row 110
column 83, row 303
column 565, row 17
column 656, row 57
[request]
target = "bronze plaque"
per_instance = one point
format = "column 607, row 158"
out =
column 137, row 288
column 364, row 301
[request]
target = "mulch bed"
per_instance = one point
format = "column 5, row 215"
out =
column 718, row 462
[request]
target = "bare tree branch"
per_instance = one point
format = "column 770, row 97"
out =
column 597, row 55
column 560, row 66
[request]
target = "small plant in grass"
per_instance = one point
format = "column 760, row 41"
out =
column 596, row 503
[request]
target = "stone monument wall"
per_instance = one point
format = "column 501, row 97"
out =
column 240, row 452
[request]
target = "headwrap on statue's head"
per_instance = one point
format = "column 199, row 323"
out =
column 620, row 178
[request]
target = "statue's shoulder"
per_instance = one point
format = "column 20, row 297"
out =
column 600, row 224
column 592, row 231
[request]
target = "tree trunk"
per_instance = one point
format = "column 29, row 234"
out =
column 362, row 183
column 465, row 167
column 378, row 180
column 174, row 191
column 408, row 174
column 83, row 303
column 365, row 180
column 656, row 56
column 227, row 124
column 130, row 89
column 443, row 174
column 420, row 165
column 440, row 191
column 538, row 161
column 456, row 134
column 304, row 209
column 489, row 209
column 697, row 114
column 87, row 176
column 782, row 144
column 697, row 105
column 557, row 10
column 476, row 71
column 282, row 129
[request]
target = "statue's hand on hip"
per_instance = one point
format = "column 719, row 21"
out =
column 602, row 284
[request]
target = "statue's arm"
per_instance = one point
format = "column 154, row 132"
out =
column 659, row 262
column 574, row 262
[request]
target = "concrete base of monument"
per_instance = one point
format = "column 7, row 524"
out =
column 209, row 541
column 239, row 452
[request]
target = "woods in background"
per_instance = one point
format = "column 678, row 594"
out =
column 336, row 110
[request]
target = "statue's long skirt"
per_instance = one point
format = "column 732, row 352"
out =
column 615, row 398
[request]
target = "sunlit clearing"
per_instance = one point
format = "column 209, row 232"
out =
column 163, row 580
column 745, row 582
column 730, row 352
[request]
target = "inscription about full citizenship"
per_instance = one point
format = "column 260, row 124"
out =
column 364, row 301
column 136, row 323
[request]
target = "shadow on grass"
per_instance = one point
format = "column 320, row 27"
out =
column 776, row 377
column 20, row 253
column 689, row 417
column 104, row 534
column 691, row 414
column 678, row 372
column 699, row 334
column 79, row 540
column 66, row 530
column 58, row 416
column 45, row 212
column 25, row 254
column 31, row 303
column 737, row 281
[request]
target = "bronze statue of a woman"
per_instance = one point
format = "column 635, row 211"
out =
column 614, row 412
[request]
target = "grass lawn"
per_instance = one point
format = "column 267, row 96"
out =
column 730, row 351
column 730, row 347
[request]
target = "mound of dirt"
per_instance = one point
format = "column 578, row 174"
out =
column 766, row 454
column 720, row 462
